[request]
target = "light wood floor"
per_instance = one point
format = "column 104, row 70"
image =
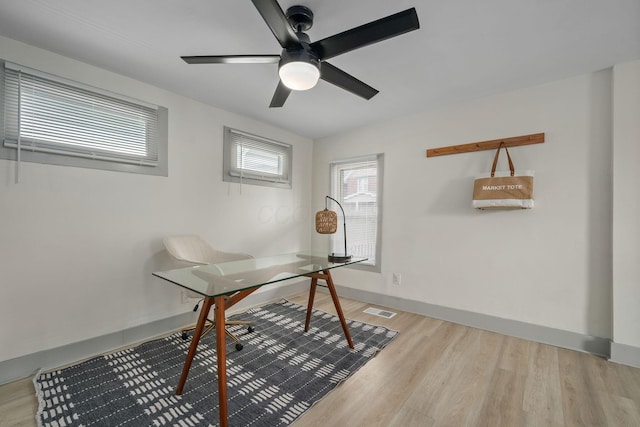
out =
column 437, row 373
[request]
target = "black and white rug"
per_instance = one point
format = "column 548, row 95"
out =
column 278, row 375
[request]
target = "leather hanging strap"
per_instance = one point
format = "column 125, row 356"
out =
column 495, row 160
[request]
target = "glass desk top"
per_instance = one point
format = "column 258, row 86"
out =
column 213, row 280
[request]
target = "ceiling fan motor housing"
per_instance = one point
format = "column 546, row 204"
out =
column 298, row 55
column 300, row 18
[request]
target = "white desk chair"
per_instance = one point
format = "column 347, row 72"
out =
column 192, row 250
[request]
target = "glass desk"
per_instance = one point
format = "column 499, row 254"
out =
column 224, row 285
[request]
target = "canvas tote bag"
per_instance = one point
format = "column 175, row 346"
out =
column 503, row 190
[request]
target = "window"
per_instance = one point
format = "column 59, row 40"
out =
column 49, row 119
column 357, row 185
column 252, row 159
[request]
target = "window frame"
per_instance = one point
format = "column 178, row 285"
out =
column 233, row 137
column 78, row 155
column 335, row 240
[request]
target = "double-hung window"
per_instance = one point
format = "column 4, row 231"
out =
column 253, row 159
column 357, row 184
column 49, row 119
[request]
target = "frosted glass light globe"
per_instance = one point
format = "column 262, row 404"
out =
column 298, row 75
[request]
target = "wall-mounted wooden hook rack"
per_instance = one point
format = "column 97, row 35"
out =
column 536, row 138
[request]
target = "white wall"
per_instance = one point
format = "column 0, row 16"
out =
column 626, row 206
column 77, row 246
column 550, row 266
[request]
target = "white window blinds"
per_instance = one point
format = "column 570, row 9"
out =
column 256, row 160
column 356, row 184
column 48, row 114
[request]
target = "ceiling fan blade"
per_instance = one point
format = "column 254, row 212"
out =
column 280, row 96
column 277, row 21
column 232, row 59
column 373, row 32
column 336, row 76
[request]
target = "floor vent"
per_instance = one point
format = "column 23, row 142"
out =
column 381, row 313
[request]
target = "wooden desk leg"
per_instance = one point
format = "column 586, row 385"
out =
column 336, row 303
column 312, row 294
column 221, row 353
column 194, row 343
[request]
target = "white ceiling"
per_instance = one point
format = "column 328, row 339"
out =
column 464, row 49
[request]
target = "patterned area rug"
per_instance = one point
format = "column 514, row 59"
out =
column 278, row 375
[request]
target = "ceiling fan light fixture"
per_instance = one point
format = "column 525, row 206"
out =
column 299, row 75
column 299, row 70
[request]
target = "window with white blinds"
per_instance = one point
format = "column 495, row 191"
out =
column 357, row 185
column 252, row 159
column 52, row 116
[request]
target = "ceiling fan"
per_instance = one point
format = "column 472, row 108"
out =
column 301, row 62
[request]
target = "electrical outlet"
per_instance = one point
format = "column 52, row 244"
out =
column 397, row 278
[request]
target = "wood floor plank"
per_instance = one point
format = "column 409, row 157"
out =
column 468, row 387
column 542, row 392
column 18, row 404
column 437, row 373
column 446, row 359
column 620, row 411
column 503, row 403
column 400, row 374
column 410, row 417
column 600, row 380
column 514, row 355
column 530, row 419
column 581, row 403
column 628, row 379
column 16, row 390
